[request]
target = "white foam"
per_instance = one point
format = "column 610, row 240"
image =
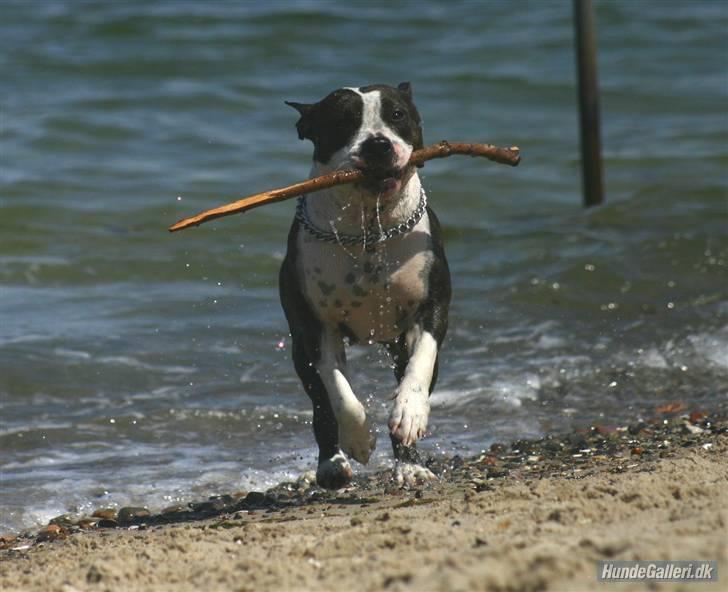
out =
column 713, row 348
column 134, row 363
column 508, row 391
column 652, row 358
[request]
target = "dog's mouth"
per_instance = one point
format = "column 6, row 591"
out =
column 383, row 180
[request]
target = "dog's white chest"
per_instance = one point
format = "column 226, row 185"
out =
column 370, row 296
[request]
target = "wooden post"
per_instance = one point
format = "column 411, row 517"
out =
column 586, row 63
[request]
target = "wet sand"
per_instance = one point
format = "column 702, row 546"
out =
column 528, row 516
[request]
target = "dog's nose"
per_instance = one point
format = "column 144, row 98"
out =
column 376, row 148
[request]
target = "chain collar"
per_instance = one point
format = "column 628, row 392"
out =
column 368, row 239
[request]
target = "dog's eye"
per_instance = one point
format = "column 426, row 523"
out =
column 397, row 115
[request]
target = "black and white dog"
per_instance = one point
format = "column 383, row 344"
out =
column 365, row 263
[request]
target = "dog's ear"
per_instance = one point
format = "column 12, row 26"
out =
column 405, row 88
column 303, row 125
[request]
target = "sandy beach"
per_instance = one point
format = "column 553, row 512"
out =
column 532, row 515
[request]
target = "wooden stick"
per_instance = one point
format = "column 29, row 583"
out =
column 442, row 149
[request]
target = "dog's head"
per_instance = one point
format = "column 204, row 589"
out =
column 372, row 128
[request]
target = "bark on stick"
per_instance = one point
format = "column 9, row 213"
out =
column 510, row 156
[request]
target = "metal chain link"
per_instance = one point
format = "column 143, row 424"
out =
column 359, row 239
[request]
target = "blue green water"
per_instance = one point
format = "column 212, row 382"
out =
column 142, row 367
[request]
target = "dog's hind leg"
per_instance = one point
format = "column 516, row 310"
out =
column 339, row 419
column 334, row 470
column 356, row 436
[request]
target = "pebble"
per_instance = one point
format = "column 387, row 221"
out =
column 176, row 508
column 86, row 523
column 481, row 485
column 130, row 514
column 689, row 428
column 51, row 533
column 105, row 513
column 225, row 499
column 697, row 416
column 212, row 505
column 7, row 541
column 62, row 520
column 255, row 498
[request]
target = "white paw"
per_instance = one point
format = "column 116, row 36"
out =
column 411, row 475
column 334, row 472
column 408, row 419
column 356, row 436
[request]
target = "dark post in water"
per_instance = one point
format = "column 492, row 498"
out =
column 586, row 62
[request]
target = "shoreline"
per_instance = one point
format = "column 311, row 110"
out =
column 532, row 515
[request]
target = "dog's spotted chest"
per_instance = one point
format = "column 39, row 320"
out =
column 368, row 296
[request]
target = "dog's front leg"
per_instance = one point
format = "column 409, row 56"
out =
column 356, row 436
column 411, row 409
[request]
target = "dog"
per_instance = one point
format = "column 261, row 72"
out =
column 365, row 264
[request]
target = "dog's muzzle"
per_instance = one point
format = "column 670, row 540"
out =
column 377, row 157
column 377, row 152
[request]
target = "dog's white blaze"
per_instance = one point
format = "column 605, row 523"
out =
column 373, row 125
